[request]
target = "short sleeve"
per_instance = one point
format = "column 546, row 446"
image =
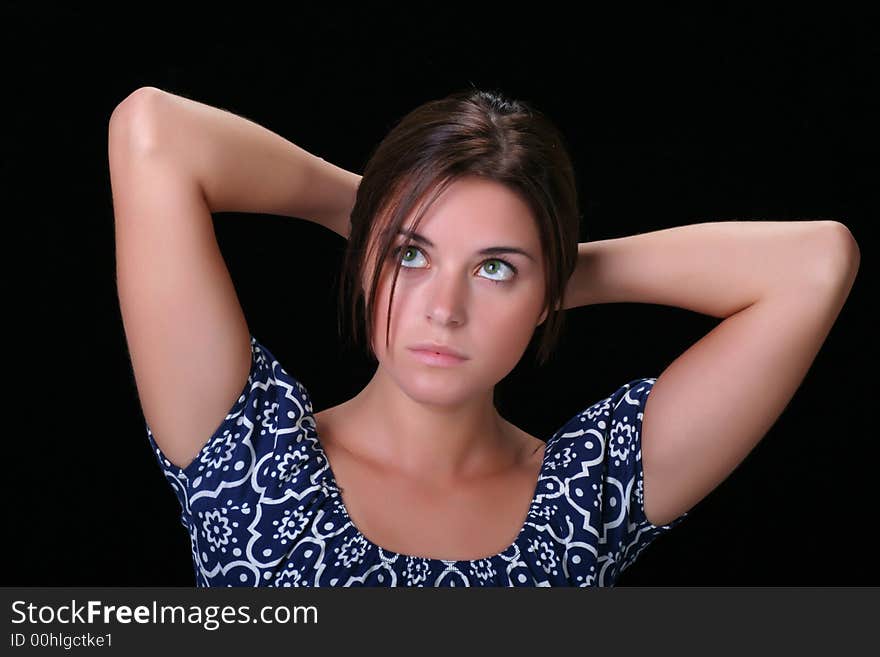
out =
column 258, row 429
column 626, row 529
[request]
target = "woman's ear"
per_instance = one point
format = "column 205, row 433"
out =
column 546, row 312
column 543, row 317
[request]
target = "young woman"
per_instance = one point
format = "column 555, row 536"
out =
column 462, row 243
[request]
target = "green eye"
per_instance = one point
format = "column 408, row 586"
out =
column 493, row 261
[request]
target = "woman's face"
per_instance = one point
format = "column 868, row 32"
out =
column 484, row 305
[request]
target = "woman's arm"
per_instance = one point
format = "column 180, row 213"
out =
column 241, row 166
column 714, row 268
column 779, row 285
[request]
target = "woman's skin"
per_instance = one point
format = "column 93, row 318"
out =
column 439, row 424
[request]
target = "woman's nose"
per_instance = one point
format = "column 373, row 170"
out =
column 446, row 299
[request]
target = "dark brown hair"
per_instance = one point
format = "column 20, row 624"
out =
column 470, row 132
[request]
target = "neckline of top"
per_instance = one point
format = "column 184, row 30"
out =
column 391, row 555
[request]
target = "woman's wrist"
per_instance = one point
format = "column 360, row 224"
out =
column 332, row 191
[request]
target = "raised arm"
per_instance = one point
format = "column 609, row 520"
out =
column 172, row 162
column 239, row 165
column 779, row 285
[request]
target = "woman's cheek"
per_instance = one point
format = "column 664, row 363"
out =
column 506, row 326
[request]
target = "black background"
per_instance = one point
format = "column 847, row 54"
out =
column 673, row 117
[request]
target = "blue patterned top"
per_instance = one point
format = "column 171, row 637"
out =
column 262, row 506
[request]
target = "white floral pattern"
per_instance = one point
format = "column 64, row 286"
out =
column 262, row 507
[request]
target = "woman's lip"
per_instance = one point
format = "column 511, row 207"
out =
column 434, row 358
column 438, row 350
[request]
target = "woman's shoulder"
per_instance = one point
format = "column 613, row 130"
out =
column 266, row 438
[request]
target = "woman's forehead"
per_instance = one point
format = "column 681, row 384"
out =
column 478, row 210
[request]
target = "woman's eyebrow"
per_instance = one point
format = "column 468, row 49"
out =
column 492, row 250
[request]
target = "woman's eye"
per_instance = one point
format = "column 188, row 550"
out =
column 406, row 251
column 492, row 266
